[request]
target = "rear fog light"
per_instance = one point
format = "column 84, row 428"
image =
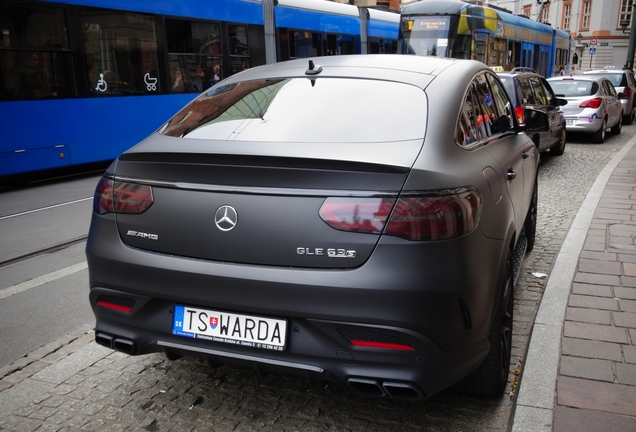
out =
column 121, row 304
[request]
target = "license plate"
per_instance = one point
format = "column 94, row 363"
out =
column 569, row 122
column 230, row 328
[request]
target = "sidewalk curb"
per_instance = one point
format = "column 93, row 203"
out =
column 536, row 399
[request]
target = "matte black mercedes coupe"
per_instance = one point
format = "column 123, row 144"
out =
column 358, row 218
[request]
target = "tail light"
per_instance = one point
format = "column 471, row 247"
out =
column 520, row 114
column 121, row 197
column 434, row 216
column 591, row 103
column 442, row 216
column 627, row 92
column 365, row 215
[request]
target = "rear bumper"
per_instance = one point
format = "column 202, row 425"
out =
column 585, row 124
column 627, row 106
column 428, row 296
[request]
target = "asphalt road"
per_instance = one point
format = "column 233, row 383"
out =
column 120, row 392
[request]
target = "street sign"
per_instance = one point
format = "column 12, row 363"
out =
column 593, row 41
column 592, row 50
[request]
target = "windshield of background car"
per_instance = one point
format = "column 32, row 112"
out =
column 574, row 88
column 434, row 36
column 304, row 110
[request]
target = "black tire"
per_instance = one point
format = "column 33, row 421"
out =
column 559, row 148
column 491, row 377
column 530, row 224
column 599, row 136
column 616, row 129
column 627, row 120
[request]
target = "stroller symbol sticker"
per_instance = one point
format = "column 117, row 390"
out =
column 151, row 83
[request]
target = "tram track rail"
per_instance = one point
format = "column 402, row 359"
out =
column 43, row 251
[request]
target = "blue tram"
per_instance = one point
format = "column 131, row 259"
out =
column 503, row 41
column 83, row 80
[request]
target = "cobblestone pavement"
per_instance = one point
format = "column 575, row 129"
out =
column 74, row 384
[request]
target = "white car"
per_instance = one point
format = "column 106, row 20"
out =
column 593, row 105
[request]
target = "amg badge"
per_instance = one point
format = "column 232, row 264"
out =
column 142, row 235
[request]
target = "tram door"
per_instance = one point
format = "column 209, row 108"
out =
column 527, row 55
column 480, row 48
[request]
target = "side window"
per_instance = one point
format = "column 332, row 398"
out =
column 526, row 92
column 466, row 125
column 609, row 88
column 541, row 97
column 486, row 111
column 547, row 89
column 485, row 108
column 503, row 108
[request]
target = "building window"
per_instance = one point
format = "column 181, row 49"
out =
column 567, row 15
column 545, row 14
column 587, row 13
column 626, row 12
column 526, row 11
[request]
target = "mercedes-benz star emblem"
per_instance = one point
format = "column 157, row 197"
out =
column 225, row 218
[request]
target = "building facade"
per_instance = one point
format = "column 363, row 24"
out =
column 599, row 28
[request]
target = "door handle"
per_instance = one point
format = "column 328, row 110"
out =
column 512, row 174
column 526, row 154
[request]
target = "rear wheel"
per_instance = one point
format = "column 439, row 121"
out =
column 627, row 120
column 558, row 149
column 599, row 135
column 490, row 379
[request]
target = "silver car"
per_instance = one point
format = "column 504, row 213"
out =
column 593, row 105
column 623, row 81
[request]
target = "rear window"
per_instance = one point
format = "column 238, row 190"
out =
column 573, row 88
column 304, row 110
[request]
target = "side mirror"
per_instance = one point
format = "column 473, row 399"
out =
column 560, row 102
column 536, row 121
column 621, row 95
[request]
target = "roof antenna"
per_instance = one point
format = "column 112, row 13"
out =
column 313, row 69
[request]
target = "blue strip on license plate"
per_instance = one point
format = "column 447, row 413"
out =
column 231, row 328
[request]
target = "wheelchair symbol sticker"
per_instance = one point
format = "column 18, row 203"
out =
column 151, row 83
column 101, row 84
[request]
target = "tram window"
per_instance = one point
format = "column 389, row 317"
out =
column 239, row 52
column 121, row 52
column 195, row 55
column 32, row 26
column 238, row 40
column 305, row 44
column 36, row 75
column 35, row 61
column 346, row 45
column 239, row 64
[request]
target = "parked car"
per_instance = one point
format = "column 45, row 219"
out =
column 593, row 105
column 527, row 88
column 623, row 81
column 362, row 220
